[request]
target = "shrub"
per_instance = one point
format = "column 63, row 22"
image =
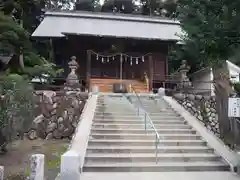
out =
column 237, row 88
column 16, row 111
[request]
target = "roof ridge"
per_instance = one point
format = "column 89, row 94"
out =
column 116, row 16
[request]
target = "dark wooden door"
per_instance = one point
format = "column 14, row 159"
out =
column 159, row 67
column 104, row 68
column 133, row 69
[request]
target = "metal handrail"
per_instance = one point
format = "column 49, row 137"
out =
column 147, row 117
column 139, row 100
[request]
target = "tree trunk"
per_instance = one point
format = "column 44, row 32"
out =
column 223, row 89
column 51, row 51
column 21, row 60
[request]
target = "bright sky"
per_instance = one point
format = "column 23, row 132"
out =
column 136, row 2
column 101, row 2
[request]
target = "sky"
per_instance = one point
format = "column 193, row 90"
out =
column 101, row 2
column 136, row 2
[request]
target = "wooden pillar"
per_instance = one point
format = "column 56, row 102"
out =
column 166, row 60
column 150, row 72
column 166, row 72
column 51, row 53
column 88, row 72
column 166, row 67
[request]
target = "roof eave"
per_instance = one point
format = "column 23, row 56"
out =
column 127, row 37
column 233, row 66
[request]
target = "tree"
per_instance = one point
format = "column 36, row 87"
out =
column 179, row 52
column 24, row 16
column 143, row 7
column 29, row 13
column 213, row 32
column 13, row 38
column 59, row 4
column 165, row 8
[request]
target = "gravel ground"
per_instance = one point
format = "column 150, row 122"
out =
column 16, row 161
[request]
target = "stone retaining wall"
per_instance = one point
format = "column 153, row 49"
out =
column 202, row 107
column 56, row 114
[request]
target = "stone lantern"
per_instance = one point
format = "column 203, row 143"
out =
column 72, row 79
column 184, row 68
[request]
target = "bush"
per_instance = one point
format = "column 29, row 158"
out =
column 237, row 88
column 16, row 111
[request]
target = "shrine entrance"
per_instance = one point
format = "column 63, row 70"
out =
column 117, row 66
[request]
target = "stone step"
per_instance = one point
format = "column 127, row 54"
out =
column 132, row 142
column 128, row 113
column 155, row 167
column 161, row 157
column 153, row 105
column 149, row 149
column 111, row 100
column 116, row 117
column 110, row 83
column 140, row 131
column 157, row 107
column 148, row 101
column 138, row 121
column 141, row 126
column 119, row 142
column 166, row 117
column 160, row 111
column 129, row 110
column 124, row 104
column 137, row 118
column 115, row 108
column 147, row 104
column 145, row 136
column 121, row 104
column 134, row 112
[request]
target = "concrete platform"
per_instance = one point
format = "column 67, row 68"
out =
column 160, row 176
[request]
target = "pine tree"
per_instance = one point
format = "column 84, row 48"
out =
column 213, row 31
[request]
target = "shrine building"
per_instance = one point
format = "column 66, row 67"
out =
column 111, row 48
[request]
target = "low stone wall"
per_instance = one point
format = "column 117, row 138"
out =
column 202, row 107
column 56, row 114
column 72, row 161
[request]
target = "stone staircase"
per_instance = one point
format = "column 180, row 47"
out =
column 119, row 143
column 106, row 85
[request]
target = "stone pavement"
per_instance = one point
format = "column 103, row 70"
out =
column 160, row 176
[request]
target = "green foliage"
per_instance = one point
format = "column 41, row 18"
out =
column 144, row 7
column 212, row 33
column 212, row 29
column 181, row 52
column 13, row 38
column 29, row 12
column 37, row 66
column 41, row 70
column 59, row 4
column 237, row 88
column 16, row 112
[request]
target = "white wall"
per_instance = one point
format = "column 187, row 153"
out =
column 201, row 81
column 234, row 75
column 234, row 71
